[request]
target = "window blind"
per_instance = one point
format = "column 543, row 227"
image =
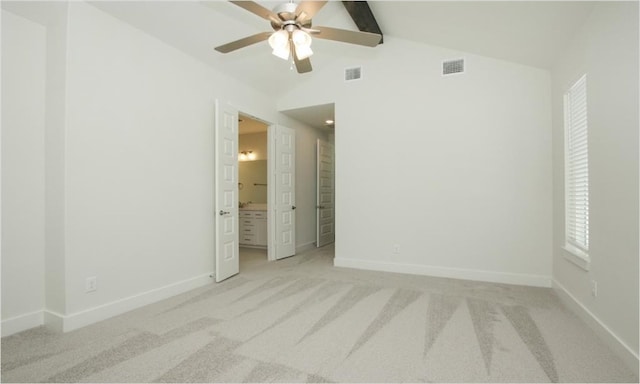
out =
column 577, row 166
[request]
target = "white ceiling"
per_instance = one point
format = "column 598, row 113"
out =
column 526, row 32
column 315, row 116
column 247, row 124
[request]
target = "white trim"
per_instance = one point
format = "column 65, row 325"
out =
column 271, row 194
column 453, row 273
column 65, row 323
column 117, row 307
column 577, row 256
column 22, row 323
column 620, row 348
column 54, row 321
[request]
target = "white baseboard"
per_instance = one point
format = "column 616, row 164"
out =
column 607, row 335
column 453, row 273
column 22, row 323
column 114, row 308
column 65, row 323
column 54, row 321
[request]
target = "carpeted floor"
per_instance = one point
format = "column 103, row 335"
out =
column 302, row 320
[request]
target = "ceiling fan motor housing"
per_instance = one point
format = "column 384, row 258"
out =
column 287, row 13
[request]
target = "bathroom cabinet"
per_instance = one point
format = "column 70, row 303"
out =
column 253, row 228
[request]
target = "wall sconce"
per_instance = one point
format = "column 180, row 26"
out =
column 247, row 155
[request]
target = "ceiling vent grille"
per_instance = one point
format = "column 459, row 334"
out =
column 351, row 74
column 450, row 67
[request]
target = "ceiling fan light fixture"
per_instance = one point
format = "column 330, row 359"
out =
column 303, row 52
column 282, row 52
column 279, row 41
column 301, row 38
column 302, row 41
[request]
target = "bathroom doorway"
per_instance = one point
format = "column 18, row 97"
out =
column 252, row 189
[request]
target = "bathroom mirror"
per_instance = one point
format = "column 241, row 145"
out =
column 253, row 176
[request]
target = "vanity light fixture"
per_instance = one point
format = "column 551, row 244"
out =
column 246, row 155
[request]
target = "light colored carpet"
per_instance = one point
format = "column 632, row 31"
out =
column 302, row 320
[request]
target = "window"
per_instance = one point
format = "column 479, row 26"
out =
column 577, row 171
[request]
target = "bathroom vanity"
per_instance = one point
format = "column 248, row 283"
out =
column 253, row 226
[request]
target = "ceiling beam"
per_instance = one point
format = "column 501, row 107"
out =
column 363, row 17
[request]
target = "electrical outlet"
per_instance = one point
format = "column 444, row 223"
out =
column 396, row 249
column 91, row 284
column 594, row 288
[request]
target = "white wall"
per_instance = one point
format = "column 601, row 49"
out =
column 256, row 142
column 606, row 49
column 53, row 16
column 456, row 170
column 55, row 19
column 139, row 160
column 23, row 172
column 128, row 163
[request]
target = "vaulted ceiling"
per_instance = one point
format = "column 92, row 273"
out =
column 526, row 32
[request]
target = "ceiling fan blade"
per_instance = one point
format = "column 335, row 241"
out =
column 302, row 66
column 307, row 9
column 258, row 10
column 352, row 37
column 232, row 46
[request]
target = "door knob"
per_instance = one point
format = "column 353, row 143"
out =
column 222, row 213
column 293, row 207
column 320, row 206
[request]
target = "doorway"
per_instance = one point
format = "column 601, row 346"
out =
column 322, row 118
column 253, row 157
column 325, row 193
column 275, row 216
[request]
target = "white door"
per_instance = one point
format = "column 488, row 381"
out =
column 226, row 191
column 325, row 194
column 284, row 191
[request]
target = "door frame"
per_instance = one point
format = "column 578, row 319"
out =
column 271, row 180
column 271, row 170
column 271, row 177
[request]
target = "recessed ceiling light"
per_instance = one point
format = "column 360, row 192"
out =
column 329, row 122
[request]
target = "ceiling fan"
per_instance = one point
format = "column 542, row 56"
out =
column 292, row 37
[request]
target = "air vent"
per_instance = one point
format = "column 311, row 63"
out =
column 450, row 67
column 351, row 74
